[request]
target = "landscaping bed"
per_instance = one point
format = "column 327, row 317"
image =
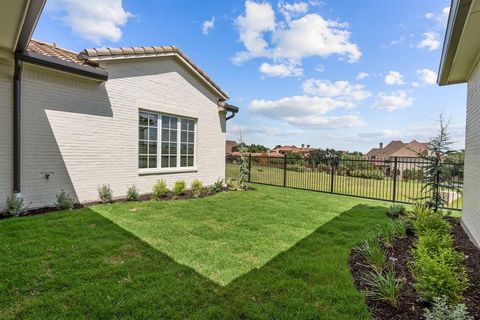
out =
column 410, row 305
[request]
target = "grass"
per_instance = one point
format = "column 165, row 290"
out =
column 407, row 191
column 272, row 253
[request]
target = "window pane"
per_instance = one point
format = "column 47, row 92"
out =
column 190, row 161
column 173, row 148
column 184, row 124
column 152, row 148
column 165, row 148
column 173, row 122
column 184, row 136
column 173, row 136
column 183, row 148
column 173, row 161
column 165, row 122
column 143, row 119
column 153, row 119
column 183, row 161
column 143, row 133
column 165, row 135
column 142, row 162
column 164, row 161
column 191, row 137
column 191, row 125
column 152, row 162
column 153, row 134
column 142, row 147
column 190, row 149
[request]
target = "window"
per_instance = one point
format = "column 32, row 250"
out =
column 170, row 139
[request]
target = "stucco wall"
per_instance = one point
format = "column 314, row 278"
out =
column 6, row 127
column 471, row 203
column 86, row 134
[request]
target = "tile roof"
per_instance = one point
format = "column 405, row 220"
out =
column 99, row 53
column 51, row 50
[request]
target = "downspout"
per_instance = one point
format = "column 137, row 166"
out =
column 17, row 125
column 230, row 116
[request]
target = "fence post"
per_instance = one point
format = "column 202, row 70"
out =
column 285, row 170
column 249, row 167
column 395, row 168
column 332, row 178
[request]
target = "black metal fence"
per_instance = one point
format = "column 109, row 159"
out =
column 396, row 179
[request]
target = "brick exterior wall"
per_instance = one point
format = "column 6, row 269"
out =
column 471, row 203
column 86, row 134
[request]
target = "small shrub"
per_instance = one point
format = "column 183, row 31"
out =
column 442, row 311
column 197, row 187
column 439, row 273
column 420, row 210
column 396, row 210
column 384, row 286
column 368, row 174
column 218, row 185
column 433, row 222
column 105, row 193
column 15, row 205
column 179, row 188
column 64, row 201
column 392, row 230
column 412, row 174
column 432, row 241
column 132, row 193
column 233, row 184
column 371, row 249
column 160, row 189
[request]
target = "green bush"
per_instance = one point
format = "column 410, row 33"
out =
column 197, row 187
column 412, row 174
column 295, row 168
column 385, row 286
column 179, row 188
column 233, row 184
column 439, row 273
column 432, row 222
column 160, row 189
column 368, row 174
column 218, row 185
column 396, row 210
column 441, row 310
column 371, row 249
column 105, row 193
column 15, row 205
column 64, row 201
column 132, row 193
column 433, row 240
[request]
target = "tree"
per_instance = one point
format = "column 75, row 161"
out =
column 436, row 171
column 244, row 168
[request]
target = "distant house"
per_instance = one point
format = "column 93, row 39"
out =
column 229, row 146
column 398, row 149
column 292, row 149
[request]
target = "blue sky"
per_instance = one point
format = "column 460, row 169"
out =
column 340, row 74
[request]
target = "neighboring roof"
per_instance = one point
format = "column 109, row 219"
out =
column 399, row 149
column 229, row 146
column 98, row 54
column 385, row 152
column 462, row 44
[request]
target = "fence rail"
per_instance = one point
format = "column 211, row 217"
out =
column 395, row 179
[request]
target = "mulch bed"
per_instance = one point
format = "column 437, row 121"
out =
column 145, row 197
column 410, row 304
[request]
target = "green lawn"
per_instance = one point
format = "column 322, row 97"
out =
column 272, row 253
column 407, row 191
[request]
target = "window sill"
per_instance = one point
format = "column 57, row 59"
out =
column 144, row 172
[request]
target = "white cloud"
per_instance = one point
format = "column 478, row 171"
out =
column 378, row 134
column 258, row 19
column 339, row 89
column 394, row 78
column 250, row 130
column 431, row 41
column 396, row 100
column 427, row 76
column 96, row 21
column 362, row 76
column 280, row 70
column 441, row 17
column 306, row 111
column 294, row 38
column 208, row 25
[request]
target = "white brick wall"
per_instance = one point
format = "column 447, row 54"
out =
column 471, row 204
column 86, row 134
column 6, row 133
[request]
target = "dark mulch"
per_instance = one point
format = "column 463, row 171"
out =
column 410, row 304
column 462, row 243
column 145, row 197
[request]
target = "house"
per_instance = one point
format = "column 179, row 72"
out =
column 291, row 149
column 460, row 64
column 119, row 116
column 229, row 146
column 398, row 149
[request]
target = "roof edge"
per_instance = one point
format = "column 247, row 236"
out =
column 459, row 10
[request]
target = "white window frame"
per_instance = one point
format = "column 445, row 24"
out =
column 178, row 168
